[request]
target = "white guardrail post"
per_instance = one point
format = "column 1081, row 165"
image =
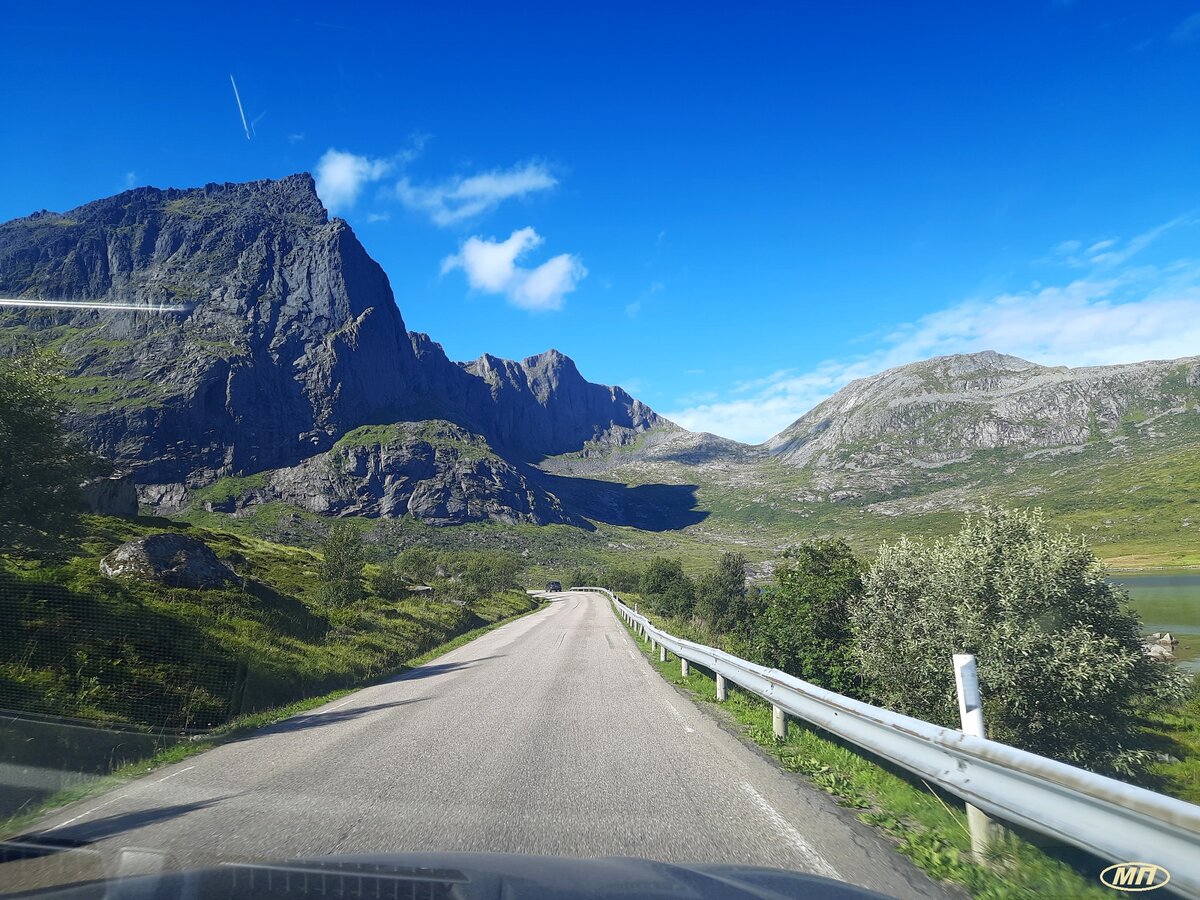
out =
column 1115, row 821
column 970, row 713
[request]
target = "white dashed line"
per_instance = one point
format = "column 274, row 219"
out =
column 816, row 863
column 84, row 814
column 174, row 775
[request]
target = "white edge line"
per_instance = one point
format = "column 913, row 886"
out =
column 817, row 863
column 174, row 775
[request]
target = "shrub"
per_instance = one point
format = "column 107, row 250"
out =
column 389, row 583
column 41, row 465
column 1061, row 668
column 804, row 625
column 666, row 589
column 721, row 598
column 341, row 568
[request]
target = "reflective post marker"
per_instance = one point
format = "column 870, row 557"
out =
column 970, row 712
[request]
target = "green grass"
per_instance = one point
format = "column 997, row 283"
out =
column 927, row 826
column 495, row 612
column 75, row 643
column 437, row 433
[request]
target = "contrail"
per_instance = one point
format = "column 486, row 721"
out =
column 82, row 304
column 241, row 111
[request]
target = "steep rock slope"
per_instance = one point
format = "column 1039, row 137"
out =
column 288, row 338
column 268, row 333
column 433, row 471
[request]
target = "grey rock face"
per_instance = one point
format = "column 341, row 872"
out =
column 945, row 409
column 112, row 495
column 289, row 338
column 538, row 407
column 433, row 471
column 175, row 560
column 290, row 334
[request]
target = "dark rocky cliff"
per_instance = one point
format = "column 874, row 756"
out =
column 287, row 338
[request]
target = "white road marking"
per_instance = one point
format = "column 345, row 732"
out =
column 816, row 863
column 340, row 705
column 84, row 814
column 679, row 716
column 174, row 775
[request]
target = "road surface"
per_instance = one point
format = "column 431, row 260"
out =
column 550, row 735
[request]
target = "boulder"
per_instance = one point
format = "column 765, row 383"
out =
column 172, row 559
column 111, row 495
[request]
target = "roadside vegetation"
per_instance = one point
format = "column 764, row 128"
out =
column 927, row 826
column 1062, row 669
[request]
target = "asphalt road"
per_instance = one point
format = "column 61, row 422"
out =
column 550, row 735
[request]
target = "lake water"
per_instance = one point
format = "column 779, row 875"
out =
column 1168, row 603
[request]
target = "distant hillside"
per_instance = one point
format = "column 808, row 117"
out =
column 894, row 431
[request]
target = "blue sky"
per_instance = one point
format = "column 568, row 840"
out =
column 729, row 209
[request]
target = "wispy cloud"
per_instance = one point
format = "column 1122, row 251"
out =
column 131, row 180
column 1110, row 314
column 491, row 266
column 1187, row 30
column 464, row 197
column 341, row 177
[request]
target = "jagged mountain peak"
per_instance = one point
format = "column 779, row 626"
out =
column 289, row 337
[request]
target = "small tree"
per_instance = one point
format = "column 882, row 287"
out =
column 804, row 626
column 341, row 569
column 1060, row 665
column 41, row 466
column 721, row 599
column 666, row 588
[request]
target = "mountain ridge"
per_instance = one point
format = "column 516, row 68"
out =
column 289, row 337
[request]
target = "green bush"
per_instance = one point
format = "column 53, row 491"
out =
column 1061, row 668
column 722, row 602
column 341, row 569
column 41, row 466
column 666, row 589
column 389, row 583
column 804, row 625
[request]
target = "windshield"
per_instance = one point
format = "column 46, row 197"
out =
column 761, row 437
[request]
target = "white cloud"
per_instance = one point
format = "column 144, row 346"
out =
column 1107, row 316
column 131, row 179
column 461, row 198
column 1187, row 30
column 491, row 266
column 341, row 177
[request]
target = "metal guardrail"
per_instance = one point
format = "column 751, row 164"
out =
column 1108, row 818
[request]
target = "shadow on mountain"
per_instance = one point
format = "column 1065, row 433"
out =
column 650, row 507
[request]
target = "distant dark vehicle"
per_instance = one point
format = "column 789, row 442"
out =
column 553, row 586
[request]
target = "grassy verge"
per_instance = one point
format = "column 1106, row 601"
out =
column 927, row 826
column 234, row 730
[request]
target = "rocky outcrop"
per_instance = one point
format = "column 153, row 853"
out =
column 1160, row 646
column 433, row 471
column 269, row 333
column 538, row 407
column 172, row 559
column 110, row 495
column 287, row 334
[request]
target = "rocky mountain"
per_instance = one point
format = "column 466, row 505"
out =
column 269, row 334
column 893, row 429
column 433, row 471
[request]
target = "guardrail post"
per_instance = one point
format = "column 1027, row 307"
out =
column 779, row 722
column 662, row 653
column 722, row 692
column 970, row 712
column 683, row 667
